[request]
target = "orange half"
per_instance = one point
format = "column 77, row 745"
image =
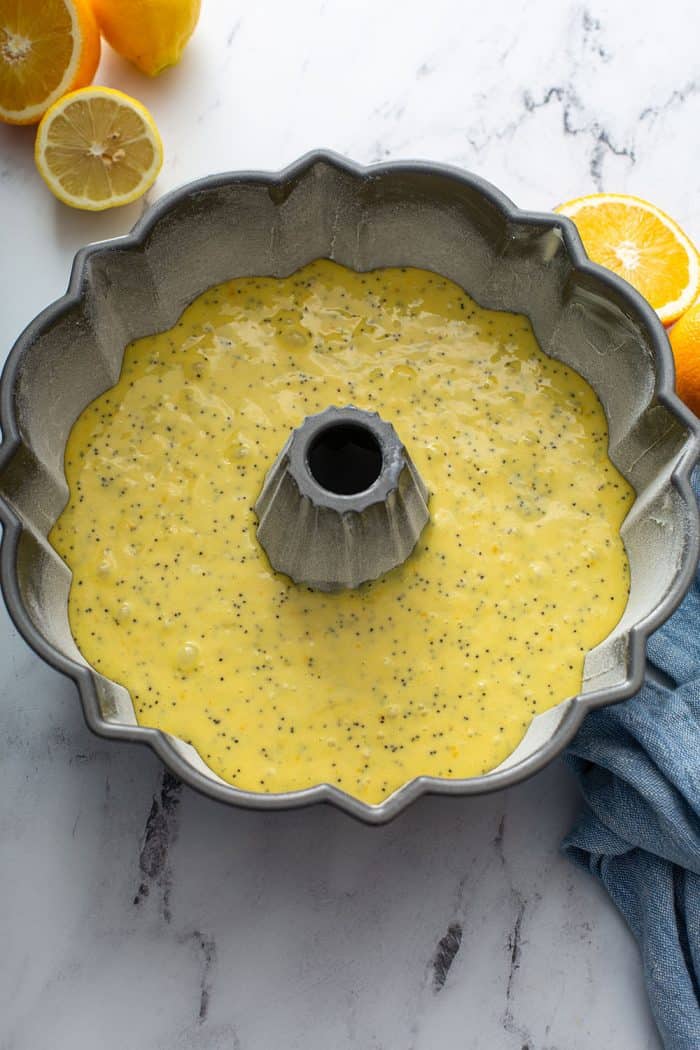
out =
column 47, row 48
column 639, row 242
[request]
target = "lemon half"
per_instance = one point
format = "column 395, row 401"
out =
column 98, row 148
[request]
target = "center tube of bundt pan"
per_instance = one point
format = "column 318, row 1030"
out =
column 343, row 502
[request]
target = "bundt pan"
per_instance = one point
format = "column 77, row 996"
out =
column 413, row 214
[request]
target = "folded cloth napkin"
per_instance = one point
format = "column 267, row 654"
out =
column 638, row 764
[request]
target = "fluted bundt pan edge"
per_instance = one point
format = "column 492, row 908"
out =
column 415, row 214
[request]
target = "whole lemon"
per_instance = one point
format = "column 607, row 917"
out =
column 150, row 33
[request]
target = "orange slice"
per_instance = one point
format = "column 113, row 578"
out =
column 47, row 47
column 98, row 148
column 640, row 243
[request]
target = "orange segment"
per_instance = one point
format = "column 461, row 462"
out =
column 640, row 243
column 98, row 148
column 47, row 48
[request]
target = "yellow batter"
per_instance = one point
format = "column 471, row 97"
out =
column 438, row 667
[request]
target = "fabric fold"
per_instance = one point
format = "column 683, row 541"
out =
column 638, row 765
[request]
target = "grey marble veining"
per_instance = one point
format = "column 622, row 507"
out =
column 135, row 913
column 138, row 913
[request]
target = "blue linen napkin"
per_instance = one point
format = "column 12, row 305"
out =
column 638, row 764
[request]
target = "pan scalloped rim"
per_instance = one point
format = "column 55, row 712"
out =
column 498, row 227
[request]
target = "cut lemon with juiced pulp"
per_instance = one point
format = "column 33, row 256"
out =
column 98, row 148
column 47, row 47
column 640, row 243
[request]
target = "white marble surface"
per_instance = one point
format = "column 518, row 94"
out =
column 136, row 914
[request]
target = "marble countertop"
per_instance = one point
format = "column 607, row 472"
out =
column 135, row 913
